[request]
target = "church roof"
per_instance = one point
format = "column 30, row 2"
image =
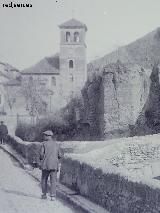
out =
column 47, row 66
column 73, row 23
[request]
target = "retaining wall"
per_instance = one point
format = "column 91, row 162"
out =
column 28, row 150
column 115, row 193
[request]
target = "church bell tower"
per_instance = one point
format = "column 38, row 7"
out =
column 73, row 65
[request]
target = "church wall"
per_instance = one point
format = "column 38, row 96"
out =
column 52, row 98
column 73, row 79
column 44, row 79
column 1, row 98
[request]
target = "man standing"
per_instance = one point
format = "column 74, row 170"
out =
column 49, row 157
column 3, row 132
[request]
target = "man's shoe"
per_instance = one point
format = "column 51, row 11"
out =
column 53, row 198
column 44, row 196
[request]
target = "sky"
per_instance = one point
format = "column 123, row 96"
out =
column 27, row 35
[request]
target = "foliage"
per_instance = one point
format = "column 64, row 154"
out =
column 26, row 132
column 112, row 191
column 35, row 93
column 11, row 95
column 62, row 132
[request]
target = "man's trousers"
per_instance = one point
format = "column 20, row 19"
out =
column 53, row 181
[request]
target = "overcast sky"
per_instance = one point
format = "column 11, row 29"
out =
column 29, row 34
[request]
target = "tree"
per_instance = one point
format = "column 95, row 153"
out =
column 11, row 95
column 35, row 94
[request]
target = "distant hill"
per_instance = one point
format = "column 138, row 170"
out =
column 143, row 52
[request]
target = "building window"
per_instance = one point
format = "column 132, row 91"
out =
column 31, row 78
column 53, row 81
column 42, row 81
column 76, row 37
column 68, row 37
column 71, row 77
column 71, row 64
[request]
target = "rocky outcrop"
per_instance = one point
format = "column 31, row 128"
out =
column 114, row 99
column 126, row 82
column 148, row 121
column 125, row 93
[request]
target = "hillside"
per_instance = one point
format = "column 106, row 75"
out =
column 143, row 52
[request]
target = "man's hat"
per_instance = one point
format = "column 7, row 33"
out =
column 48, row 132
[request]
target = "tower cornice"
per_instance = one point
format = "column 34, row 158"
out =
column 73, row 24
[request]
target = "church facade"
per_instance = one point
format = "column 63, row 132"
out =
column 65, row 73
column 56, row 79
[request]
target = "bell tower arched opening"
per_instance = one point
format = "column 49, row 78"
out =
column 76, row 37
column 68, row 37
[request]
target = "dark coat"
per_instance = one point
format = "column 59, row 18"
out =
column 3, row 130
column 50, row 155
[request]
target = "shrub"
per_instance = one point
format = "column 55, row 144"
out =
column 26, row 132
column 31, row 133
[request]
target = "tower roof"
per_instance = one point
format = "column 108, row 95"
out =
column 73, row 23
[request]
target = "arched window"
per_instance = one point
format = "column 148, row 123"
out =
column 70, row 64
column 68, row 37
column 76, row 37
column 53, row 81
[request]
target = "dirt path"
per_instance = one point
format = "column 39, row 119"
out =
column 21, row 193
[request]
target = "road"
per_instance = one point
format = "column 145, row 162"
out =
column 20, row 193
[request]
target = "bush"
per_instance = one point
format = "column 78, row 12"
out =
column 35, row 133
column 26, row 132
column 112, row 191
column 30, row 151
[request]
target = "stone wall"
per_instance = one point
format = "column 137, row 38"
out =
column 28, row 150
column 113, row 192
column 125, row 93
column 93, row 98
column 114, row 98
column 148, row 121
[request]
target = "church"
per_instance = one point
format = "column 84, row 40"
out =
column 60, row 77
column 64, row 74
